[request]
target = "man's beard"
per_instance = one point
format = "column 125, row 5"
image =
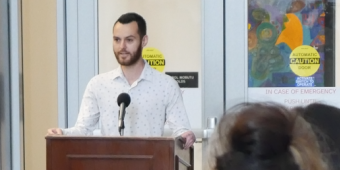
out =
column 134, row 57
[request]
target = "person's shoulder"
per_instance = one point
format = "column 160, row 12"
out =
column 164, row 77
column 103, row 76
column 108, row 74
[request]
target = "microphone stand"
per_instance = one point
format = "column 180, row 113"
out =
column 121, row 128
column 121, row 125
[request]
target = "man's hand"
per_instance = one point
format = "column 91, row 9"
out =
column 188, row 139
column 54, row 131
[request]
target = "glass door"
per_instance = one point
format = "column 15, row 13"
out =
column 11, row 115
column 5, row 107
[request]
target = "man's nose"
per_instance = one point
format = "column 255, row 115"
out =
column 123, row 44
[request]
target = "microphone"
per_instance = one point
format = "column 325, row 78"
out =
column 123, row 102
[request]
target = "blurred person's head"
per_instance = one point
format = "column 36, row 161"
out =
column 326, row 121
column 264, row 136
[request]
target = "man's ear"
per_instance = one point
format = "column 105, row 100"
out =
column 145, row 40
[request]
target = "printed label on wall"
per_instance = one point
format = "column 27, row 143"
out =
column 185, row 79
column 154, row 57
column 304, row 82
column 304, row 61
column 292, row 97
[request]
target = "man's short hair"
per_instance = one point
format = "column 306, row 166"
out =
column 130, row 17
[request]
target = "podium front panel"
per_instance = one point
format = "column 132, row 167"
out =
column 109, row 153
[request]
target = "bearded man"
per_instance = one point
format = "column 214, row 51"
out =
column 155, row 97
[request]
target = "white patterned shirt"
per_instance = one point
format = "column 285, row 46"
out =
column 155, row 99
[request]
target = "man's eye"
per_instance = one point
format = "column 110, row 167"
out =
column 129, row 40
column 116, row 40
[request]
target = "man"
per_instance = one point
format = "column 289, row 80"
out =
column 155, row 97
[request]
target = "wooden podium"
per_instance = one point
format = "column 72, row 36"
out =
column 117, row 153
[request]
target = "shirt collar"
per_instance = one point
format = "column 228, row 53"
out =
column 146, row 73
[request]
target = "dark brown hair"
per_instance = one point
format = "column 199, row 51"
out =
column 264, row 136
column 325, row 120
column 130, row 17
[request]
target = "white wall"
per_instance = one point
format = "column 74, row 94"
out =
column 40, row 91
column 173, row 27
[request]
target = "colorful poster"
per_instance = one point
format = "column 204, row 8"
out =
column 286, row 43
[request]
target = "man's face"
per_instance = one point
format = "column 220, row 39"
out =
column 127, row 44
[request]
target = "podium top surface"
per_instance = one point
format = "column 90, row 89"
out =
column 60, row 137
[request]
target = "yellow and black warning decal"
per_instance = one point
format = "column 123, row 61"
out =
column 304, row 61
column 154, row 57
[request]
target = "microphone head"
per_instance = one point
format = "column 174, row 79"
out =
column 124, row 98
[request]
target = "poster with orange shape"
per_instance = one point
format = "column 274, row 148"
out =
column 275, row 29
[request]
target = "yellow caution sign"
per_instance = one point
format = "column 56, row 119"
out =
column 304, row 61
column 154, row 57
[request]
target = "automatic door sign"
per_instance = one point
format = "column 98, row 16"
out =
column 304, row 61
column 154, row 57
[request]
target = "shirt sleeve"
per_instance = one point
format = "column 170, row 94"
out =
column 176, row 116
column 88, row 116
